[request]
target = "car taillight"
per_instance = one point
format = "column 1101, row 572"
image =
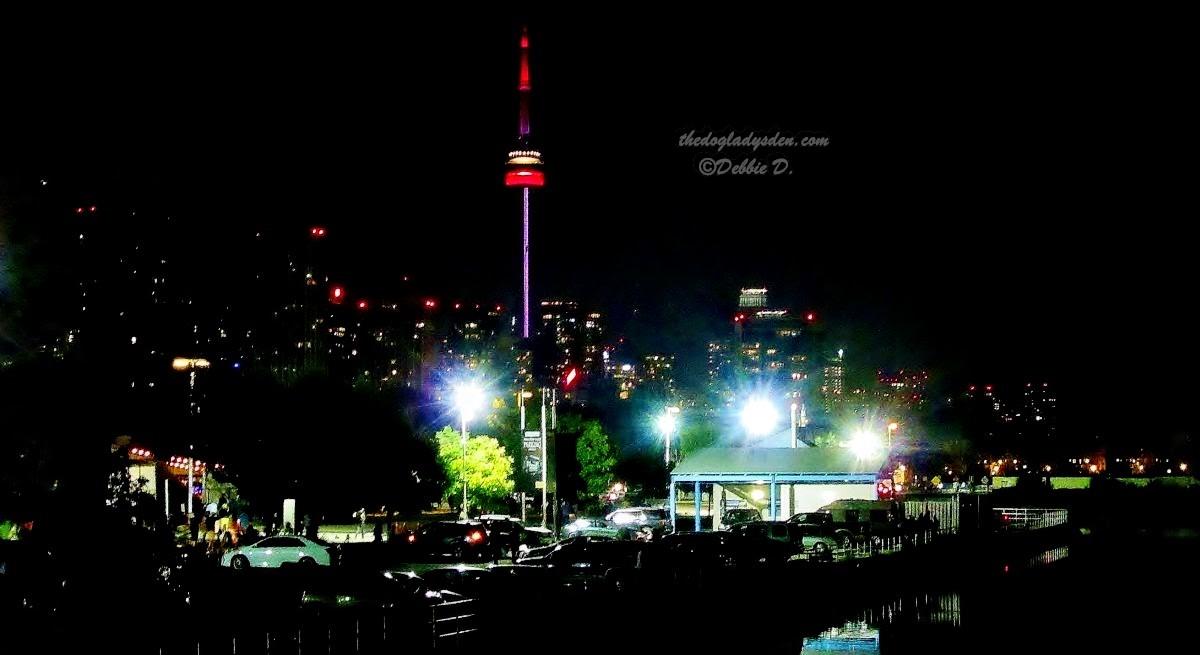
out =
column 475, row 537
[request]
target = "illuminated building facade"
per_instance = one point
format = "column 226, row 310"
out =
column 833, row 379
column 903, row 388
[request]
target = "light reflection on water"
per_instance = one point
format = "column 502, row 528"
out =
column 861, row 634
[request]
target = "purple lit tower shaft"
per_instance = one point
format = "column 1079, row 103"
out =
column 525, row 261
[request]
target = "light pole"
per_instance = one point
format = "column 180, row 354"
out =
column 666, row 423
column 522, row 396
column 468, row 399
column 545, row 464
column 795, row 423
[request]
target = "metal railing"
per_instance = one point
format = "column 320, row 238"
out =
column 866, row 547
column 453, row 621
column 448, row 626
column 1020, row 519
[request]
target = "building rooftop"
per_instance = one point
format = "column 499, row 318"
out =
column 767, row 461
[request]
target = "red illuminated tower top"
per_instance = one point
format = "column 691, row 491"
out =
column 524, row 167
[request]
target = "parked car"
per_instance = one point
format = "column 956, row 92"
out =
column 651, row 521
column 774, row 530
column 534, row 537
column 856, row 516
column 341, row 590
column 739, row 515
column 595, row 527
column 274, row 552
column 822, row 524
column 538, row 556
column 458, row 540
column 614, row 566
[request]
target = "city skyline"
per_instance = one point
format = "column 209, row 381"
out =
column 1022, row 303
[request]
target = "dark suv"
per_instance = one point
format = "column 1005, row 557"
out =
column 459, row 540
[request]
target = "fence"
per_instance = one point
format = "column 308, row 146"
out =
column 945, row 511
column 1020, row 519
column 448, row 626
column 453, row 622
column 871, row 547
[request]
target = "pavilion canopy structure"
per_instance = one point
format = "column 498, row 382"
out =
column 832, row 468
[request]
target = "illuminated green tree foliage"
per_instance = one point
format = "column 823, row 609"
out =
column 489, row 469
column 596, row 457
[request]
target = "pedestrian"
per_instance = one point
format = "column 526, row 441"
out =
column 306, row 525
column 378, row 532
column 362, row 521
column 564, row 515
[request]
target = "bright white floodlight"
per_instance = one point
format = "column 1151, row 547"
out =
column 864, row 444
column 759, row 417
column 468, row 399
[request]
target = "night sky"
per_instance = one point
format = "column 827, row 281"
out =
column 998, row 203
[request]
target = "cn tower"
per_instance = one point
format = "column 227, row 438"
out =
column 524, row 171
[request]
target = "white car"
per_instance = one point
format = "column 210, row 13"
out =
column 274, row 552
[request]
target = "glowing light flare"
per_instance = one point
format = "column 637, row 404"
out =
column 865, row 444
column 759, row 416
column 468, row 399
column 666, row 423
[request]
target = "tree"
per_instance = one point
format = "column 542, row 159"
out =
column 596, row 457
column 489, row 469
column 694, row 436
column 826, row 439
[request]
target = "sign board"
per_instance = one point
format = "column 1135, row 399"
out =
column 531, row 452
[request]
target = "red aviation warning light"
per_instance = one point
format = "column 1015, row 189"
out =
column 317, row 232
column 362, row 305
column 337, row 294
column 570, row 378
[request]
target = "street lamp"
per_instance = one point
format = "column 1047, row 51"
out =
column 666, row 423
column 468, row 399
column 522, row 396
column 759, row 417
